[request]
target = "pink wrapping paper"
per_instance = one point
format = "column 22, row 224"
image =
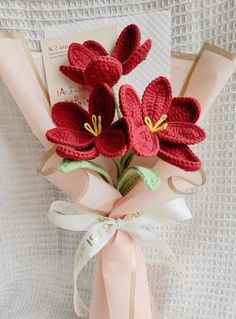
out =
column 17, row 72
column 210, row 71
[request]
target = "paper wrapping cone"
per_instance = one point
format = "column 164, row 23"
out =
column 25, row 86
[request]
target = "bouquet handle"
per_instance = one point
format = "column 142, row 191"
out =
column 121, row 287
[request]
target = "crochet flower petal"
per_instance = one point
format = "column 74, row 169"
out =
column 130, row 104
column 101, row 102
column 111, row 143
column 86, row 153
column 145, row 143
column 96, row 48
column 127, row 43
column 184, row 109
column 137, row 57
column 61, row 135
column 103, row 70
column 180, row 156
column 73, row 73
column 70, row 115
column 182, row 133
column 79, row 55
column 156, row 99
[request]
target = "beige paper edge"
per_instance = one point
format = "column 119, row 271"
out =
column 183, row 56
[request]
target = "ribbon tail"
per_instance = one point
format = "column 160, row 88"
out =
column 65, row 215
column 67, row 208
column 147, row 239
column 92, row 242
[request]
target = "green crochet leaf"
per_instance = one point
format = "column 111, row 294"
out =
column 133, row 175
column 118, row 166
column 67, row 166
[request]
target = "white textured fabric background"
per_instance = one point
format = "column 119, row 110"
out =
column 36, row 260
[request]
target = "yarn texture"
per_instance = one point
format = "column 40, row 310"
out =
column 90, row 63
column 161, row 125
column 86, row 134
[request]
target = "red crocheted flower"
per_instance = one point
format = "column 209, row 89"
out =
column 90, row 63
column 85, row 135
column 163, row 125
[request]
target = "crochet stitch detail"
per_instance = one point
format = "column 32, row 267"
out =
column 91, row 65
column 86, row 134
column 153, row 131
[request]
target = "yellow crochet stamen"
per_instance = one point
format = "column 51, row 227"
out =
column 159, row 126
column 97, row 125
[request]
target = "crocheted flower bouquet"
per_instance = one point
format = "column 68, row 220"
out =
column 125, row 162
column 117, row 125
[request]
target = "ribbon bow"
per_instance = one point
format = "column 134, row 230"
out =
column 100, row 230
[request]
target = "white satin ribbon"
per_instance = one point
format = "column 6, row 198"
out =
column 100, row 230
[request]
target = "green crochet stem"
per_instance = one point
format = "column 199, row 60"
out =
column 122, row 163
column 133, row 175
column 118, row 166
column 69, row 165
column 127, row 179
column 126, row 160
